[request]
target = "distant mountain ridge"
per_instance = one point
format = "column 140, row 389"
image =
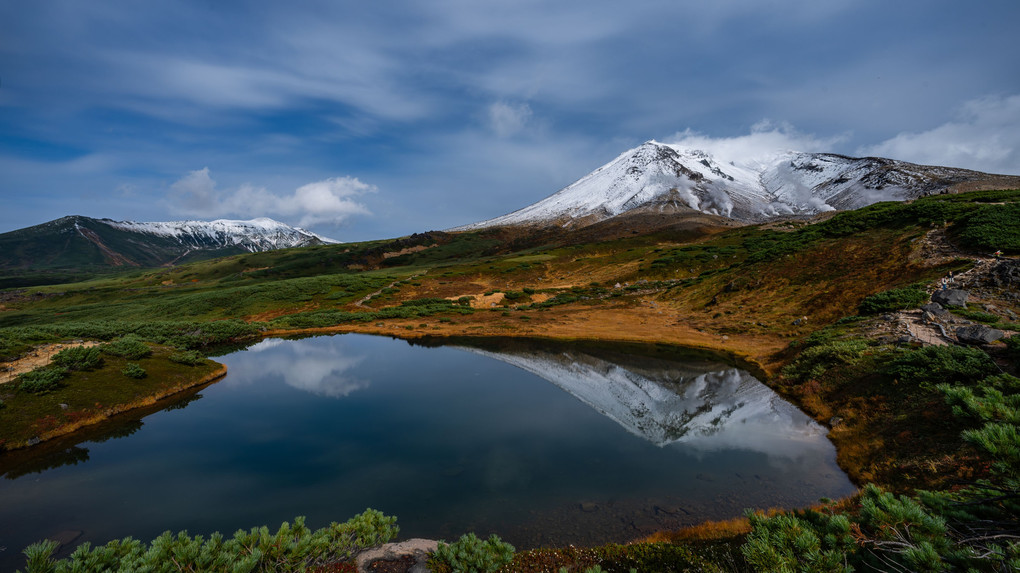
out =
column 77, row 242
column 663, row 178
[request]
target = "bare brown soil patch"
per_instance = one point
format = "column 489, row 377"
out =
column 37, row 358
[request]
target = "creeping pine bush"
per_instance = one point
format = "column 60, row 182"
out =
column 932, row 365
column 79, row 358
column 891, row 300
column 294, row 547
column 129, row 346
column 132, row 370
column 815, row 360
column 42, row 380
column 187, row 357
column 470, row 554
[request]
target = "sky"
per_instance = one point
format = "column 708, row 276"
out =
column 368, row 120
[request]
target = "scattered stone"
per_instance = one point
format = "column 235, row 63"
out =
column 397, row 554
column 589, row 506
column 978, row 334
column 63, row 406
column 950, row 297
column 934, row 309
column 835, row 421
column 800, row 321
column 33, row 441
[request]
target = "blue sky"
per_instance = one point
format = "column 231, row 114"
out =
column 363, row 120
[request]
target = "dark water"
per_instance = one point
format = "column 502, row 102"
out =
column 541, row 444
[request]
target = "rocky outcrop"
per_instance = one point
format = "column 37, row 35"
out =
column 409, row 556
column 950, row 297
column 935, row 310
column 978, row 334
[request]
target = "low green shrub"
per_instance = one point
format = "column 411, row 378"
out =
column 932, row 365
column 893, row 300
column 814, row 360
column 187, row 357
column 42, row 380
column 128, row 346
column 79, row 358
column 470, row 554
column 294, row 547
column 132, row 370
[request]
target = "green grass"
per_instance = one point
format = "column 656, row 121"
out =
column 88, row 393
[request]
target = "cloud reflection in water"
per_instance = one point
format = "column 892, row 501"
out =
column 321, row 369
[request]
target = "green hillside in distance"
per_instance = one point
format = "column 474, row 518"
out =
column 76, row 247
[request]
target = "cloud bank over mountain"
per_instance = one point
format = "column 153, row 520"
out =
column 330, row 201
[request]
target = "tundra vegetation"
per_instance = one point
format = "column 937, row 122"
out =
column 929, row 433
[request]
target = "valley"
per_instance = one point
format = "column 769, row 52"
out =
column 807, row 304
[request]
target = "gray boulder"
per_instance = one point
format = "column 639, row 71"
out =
column 934, row 309
column 950, row 297
column 978, row 334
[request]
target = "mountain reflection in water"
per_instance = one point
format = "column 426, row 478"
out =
column 449, row 436
column 703, row 405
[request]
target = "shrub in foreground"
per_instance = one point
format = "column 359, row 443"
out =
column 294, row 547
column 470, row 554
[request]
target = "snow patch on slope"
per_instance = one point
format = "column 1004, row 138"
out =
column 260, row 234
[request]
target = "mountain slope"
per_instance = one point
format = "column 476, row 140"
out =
column 662, row 178
column 77, row 242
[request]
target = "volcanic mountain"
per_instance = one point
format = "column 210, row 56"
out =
column 78, row 242
column 669, row 179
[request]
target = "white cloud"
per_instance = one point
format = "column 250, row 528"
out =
column 985, row 136
column 765, row 139
column 330, row 201
column 508, row 119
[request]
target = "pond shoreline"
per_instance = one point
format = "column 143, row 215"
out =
column 113, row 410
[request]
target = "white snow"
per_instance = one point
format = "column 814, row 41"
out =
column 659, row 176
column 255, row 235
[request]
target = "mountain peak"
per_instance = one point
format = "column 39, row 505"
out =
column 666, row 178
column 77, row 242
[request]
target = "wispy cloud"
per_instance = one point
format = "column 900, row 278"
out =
column 330, row 201
column 507, row 119
column 764, row 139
column 985, row 136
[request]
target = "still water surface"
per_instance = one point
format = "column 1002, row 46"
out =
column 543, row 444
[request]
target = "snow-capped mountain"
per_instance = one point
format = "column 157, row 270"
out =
column 668, row 178
column 262, row 234
column 705, row 406
column 79, row 243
